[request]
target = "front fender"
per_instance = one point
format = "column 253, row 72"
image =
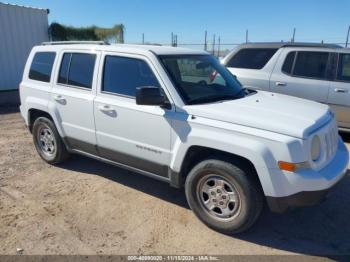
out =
column 253, row 150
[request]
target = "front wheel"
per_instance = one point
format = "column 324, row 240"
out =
column 225, row 196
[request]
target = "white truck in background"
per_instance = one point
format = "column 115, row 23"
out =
column 319, row 72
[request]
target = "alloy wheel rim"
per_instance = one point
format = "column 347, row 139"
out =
column 218, row 197
column 46, row 141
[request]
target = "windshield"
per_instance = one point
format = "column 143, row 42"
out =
column 201, row 78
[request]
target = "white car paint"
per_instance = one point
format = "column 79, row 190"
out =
column 264, row 128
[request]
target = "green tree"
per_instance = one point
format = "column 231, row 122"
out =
column 59, row 32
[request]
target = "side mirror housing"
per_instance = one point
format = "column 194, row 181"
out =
column 150, row 95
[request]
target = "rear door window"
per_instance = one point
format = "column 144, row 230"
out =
column 251, row 58
column 344, row 68
column 311, row 64
column 41, row 66
column 77, row 69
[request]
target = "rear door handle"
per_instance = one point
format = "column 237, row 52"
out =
column 280, row 84
column 340, row 90
column 59, row 99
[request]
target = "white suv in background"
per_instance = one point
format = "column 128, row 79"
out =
column 158, row 111
column 319, row 72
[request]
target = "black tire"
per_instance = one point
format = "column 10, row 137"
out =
column 250, row 197
column 59, row 153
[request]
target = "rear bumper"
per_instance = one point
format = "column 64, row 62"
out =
column 313, row 186
column 23, row 114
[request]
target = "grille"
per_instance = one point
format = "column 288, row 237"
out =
column 331, row 139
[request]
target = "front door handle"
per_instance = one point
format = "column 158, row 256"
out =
column 280, row 83
column 60, row 99
column 340, row 90
column 106, row 109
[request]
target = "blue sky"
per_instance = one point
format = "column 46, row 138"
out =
column 314, row 20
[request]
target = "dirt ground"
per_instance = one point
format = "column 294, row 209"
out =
column 88, row 207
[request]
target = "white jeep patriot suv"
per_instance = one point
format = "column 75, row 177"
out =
column 159, row 112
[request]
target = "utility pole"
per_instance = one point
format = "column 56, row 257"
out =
column 214, row 45
column 293, row 38
column 246, row 36
column 172, row 39
column 143, row 38
column 205, row 40
column 347, row 37
column 175, row 40
column 219, row 47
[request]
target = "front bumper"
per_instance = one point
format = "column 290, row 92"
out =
column 301, row 199
column 312, row 186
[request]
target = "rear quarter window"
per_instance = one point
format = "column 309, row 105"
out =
column 41, row 66
column 251, row 58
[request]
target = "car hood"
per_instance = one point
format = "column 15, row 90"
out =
column 267, row 111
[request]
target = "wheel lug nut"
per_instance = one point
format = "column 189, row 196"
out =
column 219, row 191
column 214, row 200
column 221, row 203
column 212, row 193
column 223, row 197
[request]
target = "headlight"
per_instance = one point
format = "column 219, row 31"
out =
column 315, row 148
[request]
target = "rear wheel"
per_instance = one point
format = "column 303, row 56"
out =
column 224, row 195
column 48, row 142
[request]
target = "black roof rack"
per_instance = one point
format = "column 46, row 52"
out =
column 289, row 44
column 75, row 43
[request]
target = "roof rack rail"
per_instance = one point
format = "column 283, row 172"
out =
column 291, row 44
column 75, row 43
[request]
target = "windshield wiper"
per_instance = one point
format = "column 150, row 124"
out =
column 210, row 99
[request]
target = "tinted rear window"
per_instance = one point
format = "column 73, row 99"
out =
column 251, row 58
column 41, row 66
column 311, row 64
column 122, row 75
column 288, row 63
column 77, row 69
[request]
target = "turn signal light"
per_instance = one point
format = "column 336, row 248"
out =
column 291, row 167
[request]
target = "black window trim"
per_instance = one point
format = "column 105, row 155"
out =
column 326, row 78
column 336, row 71
column 70, row 59
column 52, row 69
column 101, row 91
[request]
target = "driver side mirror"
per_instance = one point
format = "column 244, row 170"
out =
column 150, row 95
